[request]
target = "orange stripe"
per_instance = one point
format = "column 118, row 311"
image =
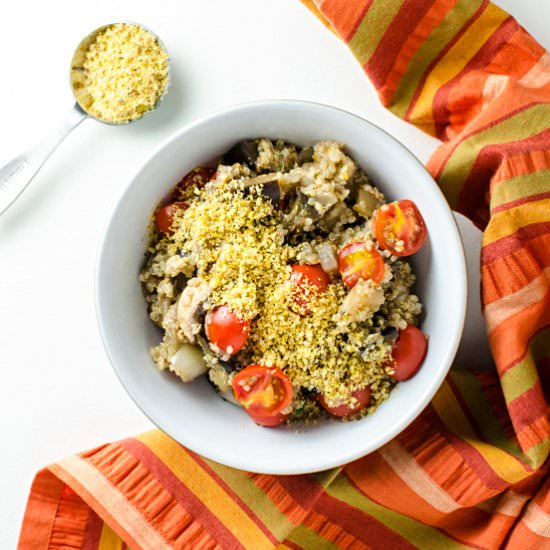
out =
column 523, row 538
column 109, row 503
column 511, row 273
column 414, row 476
column 345, row 17
column 537, row 520
column 40, row 512
column 510, row 339
column 520, row 165
column 531, row 294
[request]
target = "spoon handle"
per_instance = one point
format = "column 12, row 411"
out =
column 19, row 172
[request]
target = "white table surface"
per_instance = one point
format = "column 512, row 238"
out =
column 59, row 394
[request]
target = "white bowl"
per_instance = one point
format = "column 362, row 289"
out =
column 192, row 413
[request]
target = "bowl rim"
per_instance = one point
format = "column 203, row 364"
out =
column 425, row 397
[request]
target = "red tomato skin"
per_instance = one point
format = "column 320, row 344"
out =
column 363, row 396
column 345, row 262
column 312, row 276
column 268, row 421
column 414, row 220
column 408, row 352
column 164, row 216
column 265, row 414
column 225, row 330
column 198, row 177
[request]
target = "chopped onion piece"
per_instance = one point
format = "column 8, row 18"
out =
column 188, row 362
column 327, row 257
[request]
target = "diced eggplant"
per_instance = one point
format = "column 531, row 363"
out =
column 305, row 155
column 245, row 152
column 179, row 282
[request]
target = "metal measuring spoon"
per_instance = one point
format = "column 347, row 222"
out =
column 19, row 172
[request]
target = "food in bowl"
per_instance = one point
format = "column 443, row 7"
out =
column 281, row 273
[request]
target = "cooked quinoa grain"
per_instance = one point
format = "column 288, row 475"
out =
column 234, row 241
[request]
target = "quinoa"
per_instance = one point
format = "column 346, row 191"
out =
column 240, row 243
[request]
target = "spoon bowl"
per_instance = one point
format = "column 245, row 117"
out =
column 78, row 76
column 19, row 172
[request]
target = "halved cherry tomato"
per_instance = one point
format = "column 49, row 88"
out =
column 408, row 352
column 399, row 227
column 356, row 261
column 164, row 216
column 308, row 279
column 198, row 177
column 226, row 330
column 362, row 396
column 264, row 392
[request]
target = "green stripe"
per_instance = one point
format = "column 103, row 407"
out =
column 371, row 30
column 326, row 477
column 539, row 453
column 255, row 499
column 480, row 408
column 520, row 126
column 520, row 187
column 427, row 53
column 523, row 375
column 423, row 536
column 309, row 539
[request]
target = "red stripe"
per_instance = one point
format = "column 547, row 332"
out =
column 304, row 490
column 512, row 243
column 205, row 466
column 292, row 545
column 182, row 495
column 442, row 54
column 543, row 368
column 404, row 23
column 93, row 532
column 359, row 524
column 499, row 39
column 477, row 464
column 472, row 199
column 528, row 408
column 519, row 202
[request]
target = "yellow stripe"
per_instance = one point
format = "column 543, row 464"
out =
column 256, row 499
column 519, row 187
column 109, row 540
column 506, row 223
column 450, row 412
column 180, row 463
column 454, row 61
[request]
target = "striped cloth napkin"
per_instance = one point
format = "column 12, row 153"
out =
column 471, row 472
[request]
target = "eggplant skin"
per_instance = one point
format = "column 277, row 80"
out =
column 245, row 152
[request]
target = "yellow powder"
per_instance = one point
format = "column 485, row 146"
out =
column 125, row 73
column 236, row 239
